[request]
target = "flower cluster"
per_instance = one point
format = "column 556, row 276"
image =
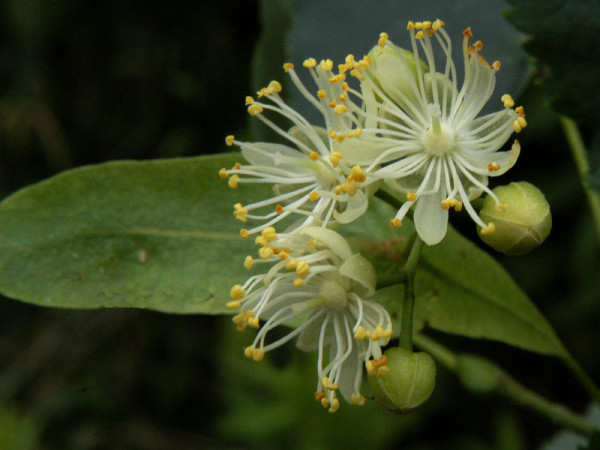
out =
column 314, row 277
column 406, row 125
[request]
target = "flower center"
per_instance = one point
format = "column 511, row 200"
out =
column 438, row 139
column 335, row 295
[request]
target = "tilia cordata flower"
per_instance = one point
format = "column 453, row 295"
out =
column 314, row 281
column 429, row 142
column 310, row 179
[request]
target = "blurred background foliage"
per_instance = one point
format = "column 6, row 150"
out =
column 87, row 82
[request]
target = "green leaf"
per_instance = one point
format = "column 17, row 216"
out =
column 572, row 81
column 157, row 235
column 459, row 288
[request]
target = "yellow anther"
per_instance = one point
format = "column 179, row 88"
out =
column 492, row 167
column 326, row 65
column 339, row 189
column 354, row 133
column 321, row 94
column 298, row 282
column 345, row 86
column 291, row 264
column 302, row 268
column 314, row 156
column 394, row 223
column 453, row 202
column 458, row 207
column 358, row 174
column 501, row 206
column 244, row 233
column 520, row 111
column 313, row 196
column 312, row 244
column 239, row 318
column 496, row 65
column 467, row 33
column 235, row 304
column 357, row 399
column 262, row 93
column 233, row 181
column 265, row 252
column 446, row 204
column 340, row 138
column 248, row 262
column 383, row 38
column 343, row 97
column 274, row 86
column 507, row 100
column 261, row 240
column 237, row 292
column 418, row 25
column 340, row 109
column 249, row 100
column 411, row 197
column 269, row 233
column 335, row 405
column 325, row 402
column 288, row 66
column 337, row 78
column 240, row 214
column 229, row 140
column 327, row 384
column 237, row 166
column 371, row 369
column 319, row 396
column 332, row 134
column 377, row 333
column 517, row 126
column 253, row 322
column 258, row 354
column 522, row 121
column 255, row 109
column 283, row 254
column 383, row 371
column 249, row 352
column 332, row 104
column 410, row 25
column 359, row 333
column 478, row 45
column 437, row 24
column 335, row 158
column 223, row 173
column 426, row 25
column 489, row 229
column 419, row 35
column 388, row 333
column 278, row 209
column 310, row 63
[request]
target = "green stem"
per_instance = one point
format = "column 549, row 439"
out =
column 408, row 303
column 508, row 387
column 583, row 167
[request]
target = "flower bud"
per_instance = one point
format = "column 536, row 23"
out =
column 410, row 382
column 522, row 225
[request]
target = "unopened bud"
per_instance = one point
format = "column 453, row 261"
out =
column 522, row 220
column 410, row 382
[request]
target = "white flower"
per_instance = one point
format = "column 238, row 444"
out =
column 310, row 178
column 427, row 140
column 316, row 282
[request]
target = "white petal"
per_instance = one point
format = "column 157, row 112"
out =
column 361, row 150
column 351, row 369
column 356, row 207
column 431, row 221
column 359, row 269
column 331, row 239
column 308, row 341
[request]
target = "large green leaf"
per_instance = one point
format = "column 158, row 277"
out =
column 459, row 288
column 156, row 234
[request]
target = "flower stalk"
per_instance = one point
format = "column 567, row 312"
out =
column 408, row 303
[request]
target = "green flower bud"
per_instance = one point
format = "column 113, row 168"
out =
column 522, row 219
column 410, row 380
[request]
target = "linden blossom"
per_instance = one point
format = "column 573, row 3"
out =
column 310, row 178
column 314, row 277
column 427, row 140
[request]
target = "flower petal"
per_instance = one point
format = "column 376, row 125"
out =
column 357, row 268
column 431, row 221
column 331, row 239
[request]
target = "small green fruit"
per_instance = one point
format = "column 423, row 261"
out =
column 525, row 222
column 410, row 382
